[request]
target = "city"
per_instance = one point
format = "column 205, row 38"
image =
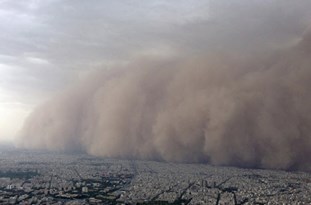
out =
column 29, row 177
column 155, row 102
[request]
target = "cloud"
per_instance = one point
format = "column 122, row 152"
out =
column 48, row 44
column 35, row 60
column 221, row 109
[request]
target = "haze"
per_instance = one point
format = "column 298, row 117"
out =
column 206, row 81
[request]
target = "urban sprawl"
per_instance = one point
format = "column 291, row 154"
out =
column 54, row 178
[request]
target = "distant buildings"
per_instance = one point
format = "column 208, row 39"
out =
column 85, row 189
column 82, row 179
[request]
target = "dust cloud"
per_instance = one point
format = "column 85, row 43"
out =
column 221, row 108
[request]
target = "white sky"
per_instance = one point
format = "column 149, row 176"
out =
column 46, row 45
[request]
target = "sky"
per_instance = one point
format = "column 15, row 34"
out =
column 48, row 45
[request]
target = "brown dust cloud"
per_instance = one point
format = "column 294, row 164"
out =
column 218, row 109
column 223, row 108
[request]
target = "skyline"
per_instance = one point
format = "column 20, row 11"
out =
column 155, row 102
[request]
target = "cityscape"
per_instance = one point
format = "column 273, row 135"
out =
column 203, row 102
column 33, row 177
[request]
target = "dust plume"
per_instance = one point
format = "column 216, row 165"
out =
column 223, row 109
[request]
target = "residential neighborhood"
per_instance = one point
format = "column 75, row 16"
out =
column 57, row 178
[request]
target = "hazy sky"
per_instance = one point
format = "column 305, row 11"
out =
column 46, row 45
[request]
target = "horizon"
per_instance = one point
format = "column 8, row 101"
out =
column 173, row 102
column 202, row 81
